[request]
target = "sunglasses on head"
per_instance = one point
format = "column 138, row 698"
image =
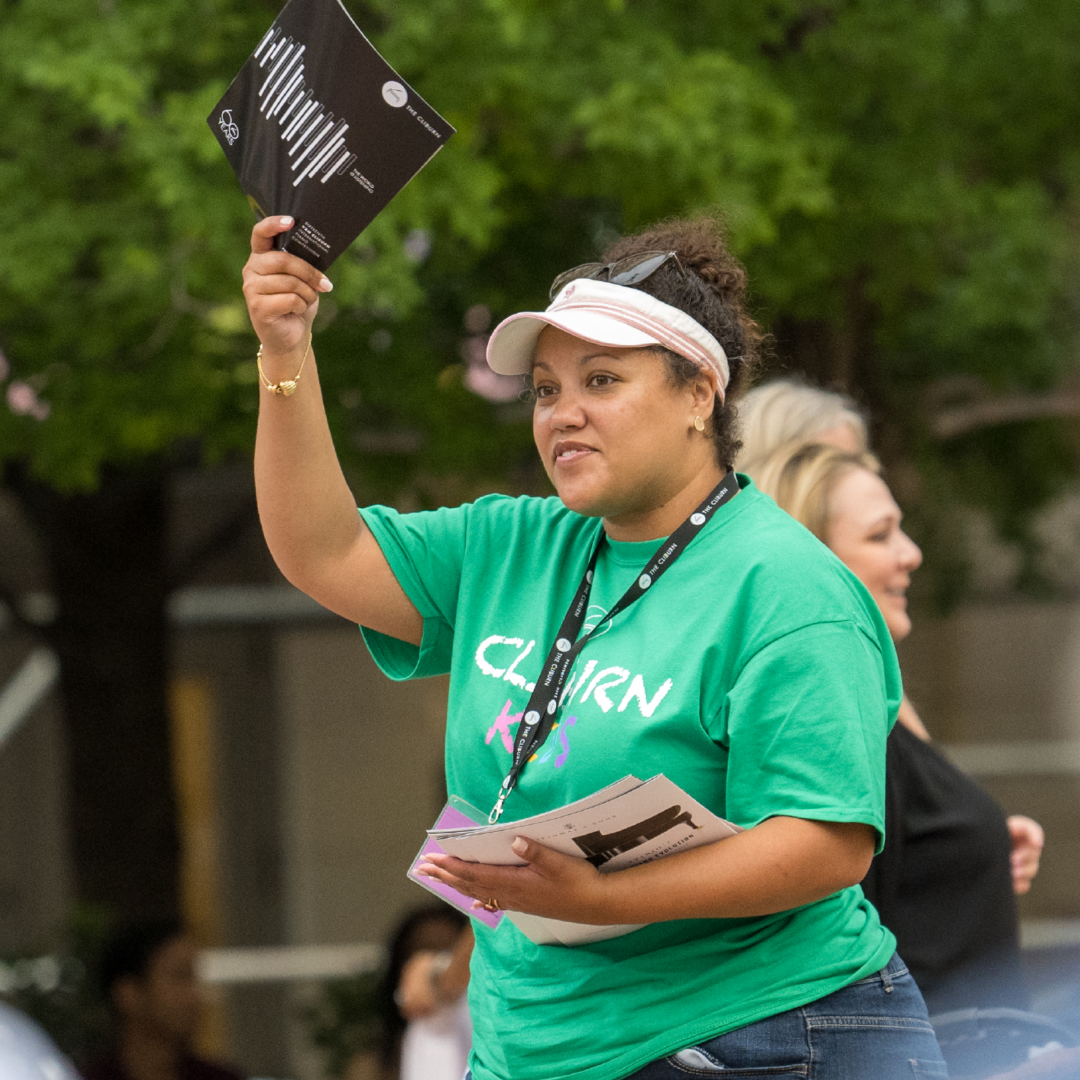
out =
column 627, row 271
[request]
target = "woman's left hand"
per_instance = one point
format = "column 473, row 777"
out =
column 777, row 865
column 1027, row 844
column 552, row 885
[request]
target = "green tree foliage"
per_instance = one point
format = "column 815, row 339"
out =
column 900, row 178
column 945, row 271
column 346, row 1020
column 125, row 231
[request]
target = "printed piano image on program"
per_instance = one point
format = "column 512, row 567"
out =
column 316, row 138
column 600, row 848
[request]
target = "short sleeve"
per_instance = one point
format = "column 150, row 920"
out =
column 426, row 553
column 805, row 725
column 882, row 881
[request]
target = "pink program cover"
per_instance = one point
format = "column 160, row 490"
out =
column 451, row 818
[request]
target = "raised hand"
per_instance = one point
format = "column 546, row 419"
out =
column 282, row 293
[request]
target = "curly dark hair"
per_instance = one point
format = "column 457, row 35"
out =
column 712, row 293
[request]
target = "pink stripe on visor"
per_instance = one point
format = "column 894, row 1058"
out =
column 606, row 314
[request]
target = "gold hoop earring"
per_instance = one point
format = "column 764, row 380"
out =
column 699, row 423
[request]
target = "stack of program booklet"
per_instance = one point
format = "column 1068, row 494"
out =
column 622, row 825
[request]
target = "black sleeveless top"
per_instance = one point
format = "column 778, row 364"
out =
column 943, row 884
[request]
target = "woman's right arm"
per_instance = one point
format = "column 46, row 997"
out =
column 308, row 514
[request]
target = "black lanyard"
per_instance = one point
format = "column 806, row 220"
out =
column 544, row 703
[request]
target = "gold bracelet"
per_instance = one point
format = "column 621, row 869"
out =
column 286, row 386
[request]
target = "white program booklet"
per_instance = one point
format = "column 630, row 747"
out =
column 625, row 824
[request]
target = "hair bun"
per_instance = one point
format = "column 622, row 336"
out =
column 721, row 305
column 727, row 282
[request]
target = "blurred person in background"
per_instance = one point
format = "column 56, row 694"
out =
column 424, row 1030
column 946, row 881
column 147, row 974
column 26, row 1052
column 783, row 414
column 431, row 995
column 787, row 411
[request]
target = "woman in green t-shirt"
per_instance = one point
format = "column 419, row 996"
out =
column 758, row 675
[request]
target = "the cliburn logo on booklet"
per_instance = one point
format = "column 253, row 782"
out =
column 394, row 93
column 228, row 126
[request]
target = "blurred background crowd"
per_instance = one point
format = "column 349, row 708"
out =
column 186, row 742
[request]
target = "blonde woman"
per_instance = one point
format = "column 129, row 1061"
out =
column 946, row 882
column 789, row 411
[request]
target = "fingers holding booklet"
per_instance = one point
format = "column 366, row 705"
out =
column 567, row 853
column 282, row 290
column 549, row 882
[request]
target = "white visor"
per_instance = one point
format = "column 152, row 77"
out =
column 606, row 314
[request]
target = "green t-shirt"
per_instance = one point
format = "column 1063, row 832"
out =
column 757, row 674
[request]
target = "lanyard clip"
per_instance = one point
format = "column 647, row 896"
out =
column 504, row 789
column 496, row 812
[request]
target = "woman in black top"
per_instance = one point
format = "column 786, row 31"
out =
column 943, row 884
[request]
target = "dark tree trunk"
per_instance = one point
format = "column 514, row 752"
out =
column 844, row 356
column 107, row 554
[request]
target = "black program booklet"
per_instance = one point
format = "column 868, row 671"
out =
column 319, row 126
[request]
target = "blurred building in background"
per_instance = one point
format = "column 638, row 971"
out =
column 304, row 778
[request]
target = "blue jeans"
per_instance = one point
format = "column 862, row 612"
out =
column 874, row 1029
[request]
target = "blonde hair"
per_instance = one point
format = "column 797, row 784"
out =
column 784, row 412
column 801, row 477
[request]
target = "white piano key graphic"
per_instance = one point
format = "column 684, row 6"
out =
column 317, row 162
column 287, row 91
column 284, row 67
column 307, row 132
column 314, row 147
column 339, row 166
column 323, row 131
column 316, row 138
column 268, row 36
column 305, row 110
column 276, row 68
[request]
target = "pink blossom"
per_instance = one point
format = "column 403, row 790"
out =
column 479, row 378
column 23, row 401
column 21, row 398
column 474, row 350
column 478, row 318
column 488, row 384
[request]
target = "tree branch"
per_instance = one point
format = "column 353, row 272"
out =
column 951, row 423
